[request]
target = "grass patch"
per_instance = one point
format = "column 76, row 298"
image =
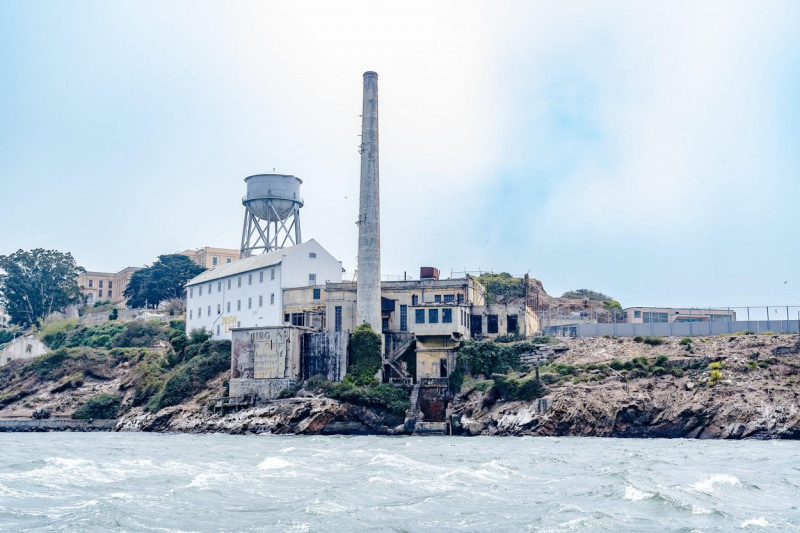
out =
column 101, row 406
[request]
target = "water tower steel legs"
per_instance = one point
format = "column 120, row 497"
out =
column 261, row 235
column 368, row 288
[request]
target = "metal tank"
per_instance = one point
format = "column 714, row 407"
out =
column 272, row 213
column 272, row 197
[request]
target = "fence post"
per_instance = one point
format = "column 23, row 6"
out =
column 769, row 326
column 748, row 318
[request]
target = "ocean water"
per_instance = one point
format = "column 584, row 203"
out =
column 157, row 482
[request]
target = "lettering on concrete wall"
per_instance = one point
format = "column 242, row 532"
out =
column 271, row 350
column 228, row 322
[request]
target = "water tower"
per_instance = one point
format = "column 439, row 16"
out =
column 272, row 213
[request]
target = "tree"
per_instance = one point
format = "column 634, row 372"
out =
column 36, row 283
column 163, row 280
column 586, row 294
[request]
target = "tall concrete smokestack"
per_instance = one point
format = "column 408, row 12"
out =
column 368, row 288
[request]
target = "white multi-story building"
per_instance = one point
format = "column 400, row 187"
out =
column 249, row 292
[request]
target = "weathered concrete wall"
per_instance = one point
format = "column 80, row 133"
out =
column 26, row 347
column 260, row 389
column 266, row 353
column 325, row 353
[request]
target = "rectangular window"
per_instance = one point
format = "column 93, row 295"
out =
column 109, row 294
column 449, row 298
column 191, row 292
column 261, row 277
column 100, row 292
column 272, row 299
column 209, row 310
column 447, row 316
column 199, row 290
column 217, row 324
column 476, row 325
column 437, row 298
column 272, row 274
column 260, row 301
column 229, row 284
column 238, row 305
column 312, row 255
column 90, row 282
column 249, row 303
column 491, row 324
column 100, row 284
column 249, row 279
column 403, row 318
column 214, row 262
column 637, row 314
column 414, row 300
column 199, row 312
column 209, row 288
column 228, row 307
column 317, row 293
column 511, row 324
column 655, row 317
column 298, row 319
column 312, row 279
column 433, row 316
column 110, row 284
column 190, row 314
column 219, row 286
column 460, row 298
column 419, row 316
column 219, row 309
column 228, row 260
column 239, row 281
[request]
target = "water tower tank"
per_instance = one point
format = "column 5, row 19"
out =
column 272, row 213
column 272, row 197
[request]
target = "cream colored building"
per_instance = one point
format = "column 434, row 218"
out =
column 105, row 286
column 209, row 257
column 656, row 315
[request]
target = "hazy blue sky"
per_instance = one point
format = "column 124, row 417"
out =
column 647, row 150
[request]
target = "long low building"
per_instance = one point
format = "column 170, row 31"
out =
column 249, row 293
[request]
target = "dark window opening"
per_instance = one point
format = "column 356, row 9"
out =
column 337, row 320
column 491, row 324
column 419, row 316
column 447, row 316
column 317, row 294
column 461, row 298
column 437, row 298
column 414, row 298
column 476, row 325
column 433, row 316
column 403, row 318
column 298, row 319
column 512, row 323
column 385, row 324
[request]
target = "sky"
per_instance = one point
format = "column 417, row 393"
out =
column 647, row 150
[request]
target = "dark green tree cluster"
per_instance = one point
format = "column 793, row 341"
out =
column 502, row 286
column 586, row 294
column 36, row 283
column 365, row 356
column 163, row 280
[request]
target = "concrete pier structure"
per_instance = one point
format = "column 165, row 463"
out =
column 368, row 304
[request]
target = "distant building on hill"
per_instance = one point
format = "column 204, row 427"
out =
column 105, row 286
column 26, row 347
column 209, row 257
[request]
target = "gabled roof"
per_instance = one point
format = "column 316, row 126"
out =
column 248, row 264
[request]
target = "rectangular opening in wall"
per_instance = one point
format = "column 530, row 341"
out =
column 447, row 316
column 511, row 324
column 298, row 319
column 476, row 325
column 433, row 316
column 419, row 316
column 491, row 324
column 403, row 318
column 317, row 294
column 337, row 318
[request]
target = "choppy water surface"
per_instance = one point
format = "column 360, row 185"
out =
column 150, row 482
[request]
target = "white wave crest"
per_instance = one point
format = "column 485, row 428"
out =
column 636, row 495
column 707, row 485
column 760, row 521
column 274, row 463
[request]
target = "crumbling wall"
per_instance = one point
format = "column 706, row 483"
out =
column 259, row 389
column 325, row 353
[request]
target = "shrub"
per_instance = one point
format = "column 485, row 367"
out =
column 616, row 364
column 388, row 397
column 653, row 341
column 502, row 285
column 549, row 379
column 686, row 341
column 638, row 338
column 41, row 414
column 139, row 334
column 316, row 381
column 514, row 386
column 365, row 356
column 55, row 333
column 100, row 406
column 114, row 314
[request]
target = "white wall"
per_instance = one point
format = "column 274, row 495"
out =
column 297, row 265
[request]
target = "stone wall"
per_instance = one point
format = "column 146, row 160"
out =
column 325, row 353
column 259, row 389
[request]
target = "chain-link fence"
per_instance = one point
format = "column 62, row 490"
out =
column 670, row 321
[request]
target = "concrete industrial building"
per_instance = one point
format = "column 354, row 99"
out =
column 655, row 315
column 209, row 257
column 25, row 347
column 249, row 292
column 105, row 286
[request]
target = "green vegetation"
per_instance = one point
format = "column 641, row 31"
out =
column 470, row 384
column 586, row 294
column 6, row 336
column 502, row 286
column 365, row 356
column 163, row 280
column 518, row 386
column 100, row 406
column 393, row 399
column 36, row 283
column 68, row 334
